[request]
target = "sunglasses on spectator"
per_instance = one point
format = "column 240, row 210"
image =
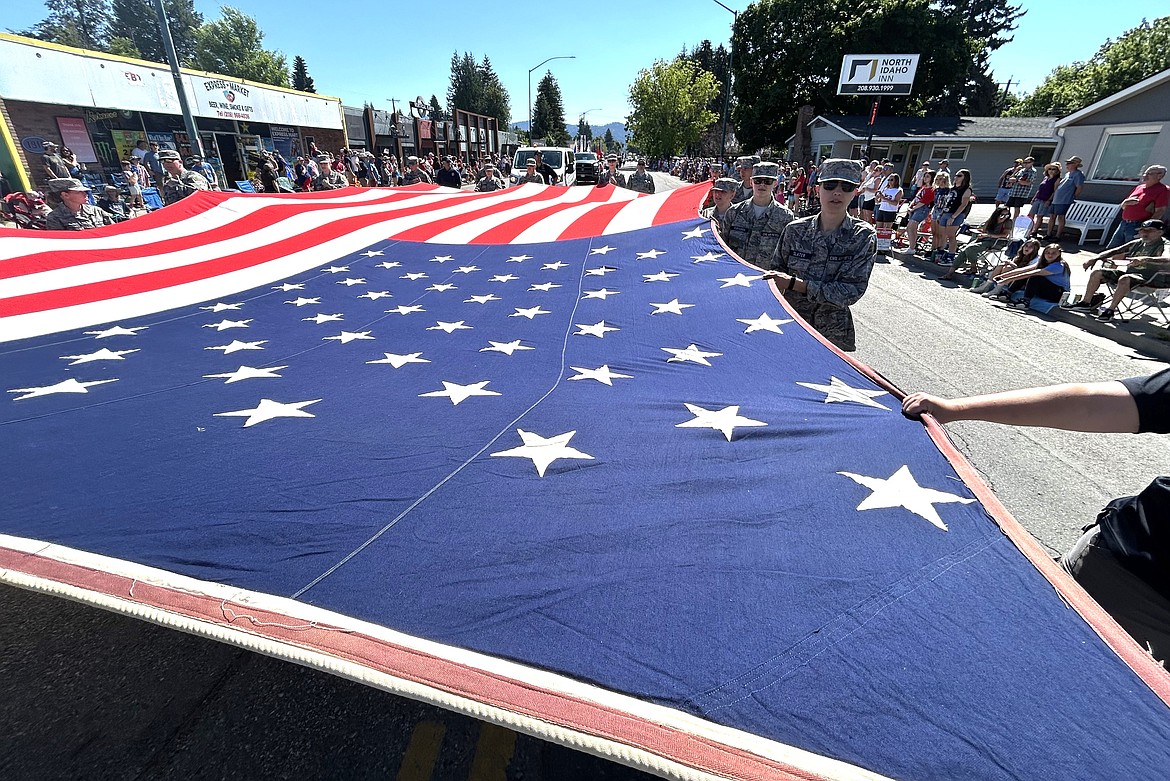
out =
column 846, row 187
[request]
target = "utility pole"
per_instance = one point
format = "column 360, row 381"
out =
column 173, row 59
column 1007, row 88
column 727, row 87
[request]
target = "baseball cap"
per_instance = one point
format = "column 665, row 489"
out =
column 744, row 162
column 766, row 170
column 1074, row 159
column 841, row 170
column 411, row 160
column 1155, row 224
column 66, row 185
column 725, row 183
column 168, row 154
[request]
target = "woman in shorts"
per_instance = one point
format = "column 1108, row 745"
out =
column 1041, row 211
column 919, row 207
column 952, row 212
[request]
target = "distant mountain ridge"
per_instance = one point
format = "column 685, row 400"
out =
column 617, row 128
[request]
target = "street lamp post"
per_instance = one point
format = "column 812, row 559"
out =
column 727, row 95
column 581, row 121
column 530, row 70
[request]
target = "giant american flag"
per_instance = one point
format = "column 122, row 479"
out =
column 551, row 457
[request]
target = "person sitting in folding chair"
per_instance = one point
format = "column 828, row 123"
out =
column 1147, row 259
column 992, row 234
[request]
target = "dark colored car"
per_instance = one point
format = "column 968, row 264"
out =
column 588, row 168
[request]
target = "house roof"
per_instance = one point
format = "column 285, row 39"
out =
column 1115, row 98
column 964, row 128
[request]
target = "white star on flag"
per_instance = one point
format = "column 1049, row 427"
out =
column 691, row 353
column 389, row 264
column 414, row 275
column 741, row 279
column 651, row 255
column 762, row 323
column 661, row 276
column 603, row 374
column 441, row 259
column 224, row 325
column 544, row 451
column 287, row 286
column 602, row 294
column 597, row 329
column 104, row 354
column 709, row 256
column 247, row 373
column 602, row 250
column 503, row 278
column 504, row 347
column 441, row 287
column 237, row 345
column 481, row 299
column 116, row 331
column 555, row 266
column 696, row 233
column 70, row 385
column 530, row 313
column 902, row 490
column 837, row 390
column 670, row 307
column 336, row 269
column 373, row 253
column 518, row 258
column 600, row 271
column 268, row 409
column 345, row 337
column 322, row 318
column 449, row 327
column 220, row 307
column 458, row 393
column 351, row 281
column 398, row 361
column 465, row 269
column 725, row 420
column 543, row 286
column 403, row 309
column 304, row 301
column 374, row 295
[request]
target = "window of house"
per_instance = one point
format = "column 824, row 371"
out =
column 949, row 152
column 1123, row 153
column 877, row 152
column 824, row 152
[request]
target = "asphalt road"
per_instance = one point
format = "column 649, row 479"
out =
column 90, row 694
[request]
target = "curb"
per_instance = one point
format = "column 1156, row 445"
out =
column 1139, row 335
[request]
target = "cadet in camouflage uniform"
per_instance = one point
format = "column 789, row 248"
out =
column 611, row 174
column 823, row 264
column 722, row 191
column 328, row 178
column 74, row 213
column 414, row 174
column 744, row 166
column 179, row 182
column 640, row 181
column 490, row 182
column 530, row 174
column 753, row 228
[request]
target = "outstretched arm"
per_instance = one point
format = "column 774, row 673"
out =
column 1097, row 407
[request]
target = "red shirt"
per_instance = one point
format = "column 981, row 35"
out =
column 1157, row 194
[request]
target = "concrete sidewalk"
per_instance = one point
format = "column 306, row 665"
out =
column 1147, row 333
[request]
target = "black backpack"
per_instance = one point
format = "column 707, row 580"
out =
column 1137, row 530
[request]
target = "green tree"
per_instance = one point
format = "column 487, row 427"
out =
column 79, row 23
column 477, row 88
column 788, row 54
column 233, row 46
column 548, row 115
column 436, row 112
column 136, row 21
column 1136, row 55
column 670, row 107
column 496, row 102
column 611, row 144
column 301, row 80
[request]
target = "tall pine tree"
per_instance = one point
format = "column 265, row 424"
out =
column 79, row 23
column 134, row 22
column 301, row 80
column 548, row 114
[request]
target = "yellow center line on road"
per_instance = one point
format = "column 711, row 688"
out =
column 418, row 763
column 493, row 752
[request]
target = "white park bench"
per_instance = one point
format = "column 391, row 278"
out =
column 1085, row 216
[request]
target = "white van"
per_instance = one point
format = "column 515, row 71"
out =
column 560, row 159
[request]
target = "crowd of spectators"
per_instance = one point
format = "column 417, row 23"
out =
column 321, row 170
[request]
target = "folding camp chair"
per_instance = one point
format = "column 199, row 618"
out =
column 1153, row 296
column 1004, row 249
column 245, row 187
column 284, row 185
column 151, row 197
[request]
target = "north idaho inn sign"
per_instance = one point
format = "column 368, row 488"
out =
column 877, row 74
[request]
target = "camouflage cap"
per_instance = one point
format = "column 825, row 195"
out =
column 726, row 184
column 65, row 185
column 767, row 170
column 412, row 160
column 168, row 154
column 744, row 162
column 611, row 158
column 839, row 169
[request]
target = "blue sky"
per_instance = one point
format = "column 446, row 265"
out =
column 378, row 50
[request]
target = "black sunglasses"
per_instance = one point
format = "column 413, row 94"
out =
column 846, row 187
column 762, row 180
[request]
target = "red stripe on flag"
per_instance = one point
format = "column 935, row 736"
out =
column 502, row 234
column 432, row 229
